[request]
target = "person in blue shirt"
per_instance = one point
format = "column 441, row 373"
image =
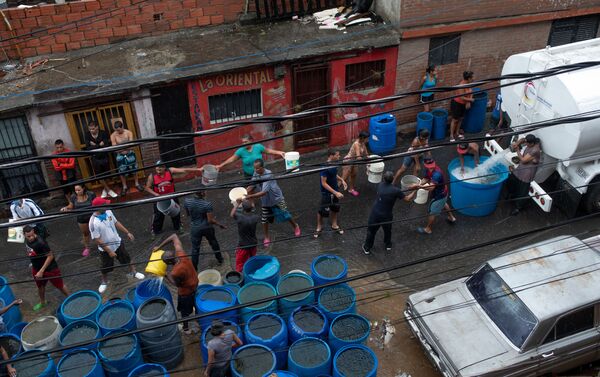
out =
column 428, row 81
column 436, row 183
column 330, row 183
column 248, row 154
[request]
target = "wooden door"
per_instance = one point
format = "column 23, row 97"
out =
column 311, row 89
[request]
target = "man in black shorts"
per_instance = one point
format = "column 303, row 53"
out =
column 96, row 138
column 330, row 194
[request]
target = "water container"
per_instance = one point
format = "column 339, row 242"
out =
column 440, row 124
column 79, row 331
column 115, row 315
column 309, row 357
column 476, row 199
column 327, row 268
column 155, row 265
column 130, row 295
column 424, row 122
column 120, row 355
column 80, row 305
column 336, row 300
column 282, row 373
column 207, row 336
column 292, row 160
column 202, row 288
column 375, row 170
column 168, row 207
column 292, row 282
column 475, row 117
column 422, row 196
column 253, row 358
column 307, row 321
column 382, row 129
column 80, row 363
column 233, row 288
column 256, row 291
column 161, row 345
column 12, row 316
column 216, row 298
column 355, row 360
column 237, row 193
column 348, row 329
column 209, row 175
column 6, row 292
column 269, row 330
column 11, row 344
column 407, row 181
column 263, row 268
column 233, row 277
column 41, row 334
column 18, row 328
column 41, row 365
column 154, row 370
column 210, row 276
column 150, row 288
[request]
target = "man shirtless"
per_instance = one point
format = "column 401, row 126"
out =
column 126, row 160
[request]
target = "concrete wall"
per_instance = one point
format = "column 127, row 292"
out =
column 144, row 117
column 390, row 10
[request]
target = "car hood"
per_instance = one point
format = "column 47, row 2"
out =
column 458, row 329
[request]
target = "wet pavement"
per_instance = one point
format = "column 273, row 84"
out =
column 302, row 196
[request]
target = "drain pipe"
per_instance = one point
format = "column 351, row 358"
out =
column 12, row 32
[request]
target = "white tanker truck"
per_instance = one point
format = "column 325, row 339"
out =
column 572, row 150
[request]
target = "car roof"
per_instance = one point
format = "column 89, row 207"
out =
column 554, row 276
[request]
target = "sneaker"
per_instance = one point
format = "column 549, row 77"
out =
column 104, row 194
column 102, row 288
column 138, row 275
column 85, row 252
column 112, row 194
column 39, row 306
column 367, row 252
column 297, row 231
column 388, row 249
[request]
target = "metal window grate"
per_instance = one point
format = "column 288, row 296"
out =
column 270, row 10
column 444, row 50
column 367, row 75
column 574, row 29
column 233, row 106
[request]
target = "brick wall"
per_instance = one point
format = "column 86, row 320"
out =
column 481, row 51
column 78, row 24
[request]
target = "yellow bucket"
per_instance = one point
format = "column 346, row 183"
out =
column 155, row 265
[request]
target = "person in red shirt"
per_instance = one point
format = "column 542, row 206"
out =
column 64, row 168
column 183, row 276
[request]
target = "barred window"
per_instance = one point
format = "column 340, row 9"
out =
column 367, row 75
column 233, row 106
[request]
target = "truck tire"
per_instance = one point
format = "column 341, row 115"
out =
column 591, row 201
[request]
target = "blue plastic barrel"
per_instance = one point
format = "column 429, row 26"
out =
column 264, row 268
column 41, row 365
column 256, row 291
column 337, row 300
column 440, row 123
column 12, row 316
column 292, row 282
column 80, row 305
column 115, row 315
column 424, row 121
column 17, row 328
column 120, row 355
column 216, row 298
column 207, row 336
column 130, row 295
column 12, row 345
column 471, row 197
column 309, row 357
column 79, row 331
column 233, row 288
column 155, row 370
column 327, row 268
column 344, row 361
column 475, row 116
column 253, row 358
column 348, row 329
column 269, row 330
column 283, row 373
column 202, row 288
column 6, row 292
column 80, row 363
column 382, row 130
column 307, row 321
column 151, row 288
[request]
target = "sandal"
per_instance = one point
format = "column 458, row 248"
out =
column 422, row 230
column 338, row 230
column 124, row 190
column 450, row 221
column 39, row 306
column 140, row 188
column 317, row 233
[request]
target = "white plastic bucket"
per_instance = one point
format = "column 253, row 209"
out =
column 30, row 335
column 15, row 234
column 237, row 193
column 297, row 272
column 210, row 276
column 407, row 181
column 209, row 175
column 292, row 160
column 168, row 207
column 422, row 196
column 375, row 170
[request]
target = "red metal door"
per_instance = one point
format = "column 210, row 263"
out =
column 311, row 89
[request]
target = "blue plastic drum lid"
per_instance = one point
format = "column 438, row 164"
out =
column 116, row 315
column 327, row 268
column 382, row 129
column 263, row 268
column 207, row 336
column 475, row 117
column 40, row 365
column 476, row 197
column 120, row 355
column 253, row 360
column 216, row 298
column 440, row 123
column 80, row 363
column 269, row 330
column 290, row 283
column 307, row 321
column 424, row 121
column 80, row 305
column 309, row 357
column 256, row 291
column 282, row 373
column 348, row 329
column 355, row 360
column 149, row 370
column 79, row 331
column 336, row 300
column 150, row 288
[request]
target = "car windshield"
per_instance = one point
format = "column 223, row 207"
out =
column 502, row 305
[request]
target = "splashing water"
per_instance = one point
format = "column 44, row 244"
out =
column 484, row 172
column 155, row 285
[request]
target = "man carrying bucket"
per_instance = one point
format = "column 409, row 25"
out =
column 161, row 183
column 273, row 202
column 435, row 182
column 183, row 276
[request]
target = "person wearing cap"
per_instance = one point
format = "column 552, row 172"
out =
column 435, row 182
column 126, row 159
column 382, row 213
column 357, row 151
column 183, row 276
column 416, row 160
column 522, row 176
column 220, row 350
column 467, row 148
column 104, row 228
column 246, row 224
column 161, row 183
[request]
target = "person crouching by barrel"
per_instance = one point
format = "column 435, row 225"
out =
column 435, row 182
column 220, row 350
column 330, row 194
column 416, row 160
column 183, row 276
column 470, row 149
column 357, row 151
column 161, row 183
column 522, row 176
